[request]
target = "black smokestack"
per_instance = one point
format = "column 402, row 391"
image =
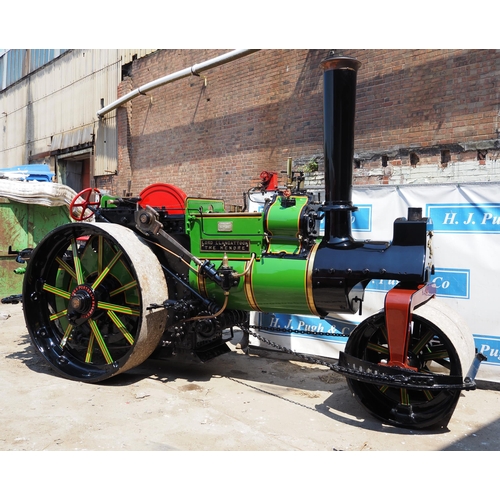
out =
column 339, row 88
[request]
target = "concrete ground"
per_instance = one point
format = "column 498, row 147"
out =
column 262, row 401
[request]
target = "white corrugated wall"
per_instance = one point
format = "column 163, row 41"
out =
column 55, row 107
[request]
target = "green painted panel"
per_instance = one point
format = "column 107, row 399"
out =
column 238, row 234
column 14, row 233
column 197, row 205
column 271, row 285
column 274, row 283
column 283, row 221
column 42, row 219
column 279, row 285
column 23, row 226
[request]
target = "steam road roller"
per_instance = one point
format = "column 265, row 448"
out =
column 166, row 272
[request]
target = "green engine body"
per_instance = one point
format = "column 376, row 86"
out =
column 266, row 248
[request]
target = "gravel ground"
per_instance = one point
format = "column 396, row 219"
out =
column 262, row 401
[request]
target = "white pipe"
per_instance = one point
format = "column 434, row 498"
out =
column 193, row 70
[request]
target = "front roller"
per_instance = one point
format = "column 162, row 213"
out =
column 86, row 292
column 440, row 345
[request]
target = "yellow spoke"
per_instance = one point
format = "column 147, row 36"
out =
column 56, row 291
column 116, row 320
column 378, row 348
column 117, row 308
column 90, row 348
column 58, row 315
column 107, row 269
column 77, row 262
column 405, row 399
column 67, row 333
column 123, row 288
column 100, row 341
column 428, row 395
column 65, row 266
column 441, row 354
column 418, row 347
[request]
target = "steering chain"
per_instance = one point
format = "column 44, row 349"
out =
column 248, row 330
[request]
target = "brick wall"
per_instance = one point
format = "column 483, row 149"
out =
column 422, row 115
column 216, row 139
column 427, row 116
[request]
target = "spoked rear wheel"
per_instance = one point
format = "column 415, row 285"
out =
column 86, row 293
column 440, row 343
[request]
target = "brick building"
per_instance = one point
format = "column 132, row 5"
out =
column 428, row 116
column 422, row 116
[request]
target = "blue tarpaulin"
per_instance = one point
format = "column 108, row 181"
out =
column 35, row 172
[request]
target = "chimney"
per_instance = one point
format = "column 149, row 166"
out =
column 339, row 89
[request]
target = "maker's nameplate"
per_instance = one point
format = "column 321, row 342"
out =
column 225, row 246
column 225, row 227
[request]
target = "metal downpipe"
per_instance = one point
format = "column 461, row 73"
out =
column 193, row 70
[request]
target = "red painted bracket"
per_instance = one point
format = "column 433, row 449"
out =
column 399, row 305
column 269, row 180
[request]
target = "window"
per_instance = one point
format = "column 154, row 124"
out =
column 445, row 157
column 17, row 63
column 414, row 159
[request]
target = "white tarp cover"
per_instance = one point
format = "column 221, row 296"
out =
column 38, row 193
column 466, row 250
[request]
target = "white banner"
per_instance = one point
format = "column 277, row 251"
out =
column 466, row 250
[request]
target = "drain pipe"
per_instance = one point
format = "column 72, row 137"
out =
column 193, row 70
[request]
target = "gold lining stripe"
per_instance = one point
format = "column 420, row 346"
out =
column 309, row 280
column 266, row 217
column 202, row 283
column 227, row 215
column 301, row 211
column 248, row 287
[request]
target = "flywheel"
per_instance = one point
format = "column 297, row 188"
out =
column 86, row 294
